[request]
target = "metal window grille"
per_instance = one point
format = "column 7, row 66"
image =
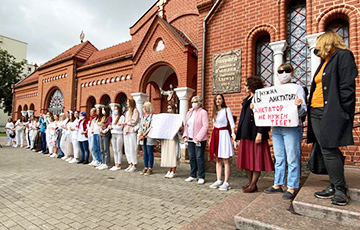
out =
column 297, row 53
column 56, row 104
column 341, row 27
column 264, row 60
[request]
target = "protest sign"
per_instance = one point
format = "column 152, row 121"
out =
column 275, row 106
column 165, row 126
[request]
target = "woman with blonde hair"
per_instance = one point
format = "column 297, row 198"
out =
column 332, row 107
column 147, row 142
column 130, row 129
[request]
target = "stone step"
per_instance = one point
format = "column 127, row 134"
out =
column 307, row 204
column 271, row 211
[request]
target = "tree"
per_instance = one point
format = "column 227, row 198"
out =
column 10, row 73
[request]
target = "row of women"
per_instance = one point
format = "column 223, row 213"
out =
column 330, row 112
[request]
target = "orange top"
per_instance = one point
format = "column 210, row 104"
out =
column 318, row 97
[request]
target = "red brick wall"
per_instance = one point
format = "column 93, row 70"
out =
column 237, row 25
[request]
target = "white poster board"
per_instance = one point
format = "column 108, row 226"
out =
column 165, row 126
column 275, row 106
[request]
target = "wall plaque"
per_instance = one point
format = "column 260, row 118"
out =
column 226, row 75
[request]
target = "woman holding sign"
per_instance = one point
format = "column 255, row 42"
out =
column 287, row 143
column 332, row 100
column 221, row 145
column 254, row 151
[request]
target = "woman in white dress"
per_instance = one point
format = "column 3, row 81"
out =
column 117, row 139
column 9, row 131
column 170, row 150
column 74, row 141
column 220, row 143
column 19, row 130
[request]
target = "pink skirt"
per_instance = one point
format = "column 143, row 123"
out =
column 254, row 157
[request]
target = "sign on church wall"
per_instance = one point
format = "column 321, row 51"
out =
column 226, row 75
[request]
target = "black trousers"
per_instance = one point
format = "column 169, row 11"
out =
column 333, row 158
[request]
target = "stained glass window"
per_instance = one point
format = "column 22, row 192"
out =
column 341, row 27
column 264, row 60
column 297, row 53
column 56, row 104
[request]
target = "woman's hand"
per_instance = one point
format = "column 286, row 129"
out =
column 251, row 106
column 110, row 126
column 233, row 136
column 298, row 101
column 258, row 138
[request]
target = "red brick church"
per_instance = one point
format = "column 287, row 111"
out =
column 199, row 47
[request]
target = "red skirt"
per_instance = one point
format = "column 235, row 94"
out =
column 254, row 157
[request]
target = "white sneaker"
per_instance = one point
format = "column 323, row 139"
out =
column 201, row 181
column 189, row 179
column 40, row 151
column 128, row 168
column 171, row 175
column 167, row 174
column 132, row 169
column 91, row 163
column 102, row 167
column 225, row 186
column 64, row 158
column 69, row 159
column 73, row 161
column 21, row 146
column 115, row 168
column 15, row 146
column 54, row 155
column 216, row 184
column 96, row 164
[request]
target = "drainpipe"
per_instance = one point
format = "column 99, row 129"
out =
column 203, row 60
column 76, row 80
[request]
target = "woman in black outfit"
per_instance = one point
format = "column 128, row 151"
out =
column 332, row 101
column 254, row 152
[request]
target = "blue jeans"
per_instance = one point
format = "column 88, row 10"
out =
column 95, row 148
column 84, row 150
column 196, row 155
column 61, row 153
column 148, row 155
column 287, row 143
column 43, row 141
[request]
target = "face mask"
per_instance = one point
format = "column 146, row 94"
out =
column 81, row 117
column 195, row 105
column 103, row 112
column 169, row 111
column 116, row 112
column 284, row 77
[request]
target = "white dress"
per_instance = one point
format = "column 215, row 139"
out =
column 225, row 149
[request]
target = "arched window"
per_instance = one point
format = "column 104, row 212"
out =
column 105, row 100
column 121, row 99
column 341, row 27
column 56, row 103
column 90, row 104
column 297, row 53
column 264, row 60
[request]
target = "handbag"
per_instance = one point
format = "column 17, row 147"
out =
column 316, row 160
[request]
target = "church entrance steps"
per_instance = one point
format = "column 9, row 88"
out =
column 307, row 205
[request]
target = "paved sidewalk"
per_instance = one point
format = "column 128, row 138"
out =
column 38, row 192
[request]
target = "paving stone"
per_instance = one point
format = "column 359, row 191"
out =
column 51, row 194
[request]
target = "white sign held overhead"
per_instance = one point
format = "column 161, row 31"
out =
column 165, row 126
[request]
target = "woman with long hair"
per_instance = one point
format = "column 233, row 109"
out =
column 74, row 140
column 130, row 129
column 147, row 142
column 93, row 137
column 220, row 143
column 20, row 132
column 105, row 136
column 254, row 151
column 332, row 108
column 68, row 139
column 117, row 138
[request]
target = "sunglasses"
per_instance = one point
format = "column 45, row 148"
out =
column 280, row 71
